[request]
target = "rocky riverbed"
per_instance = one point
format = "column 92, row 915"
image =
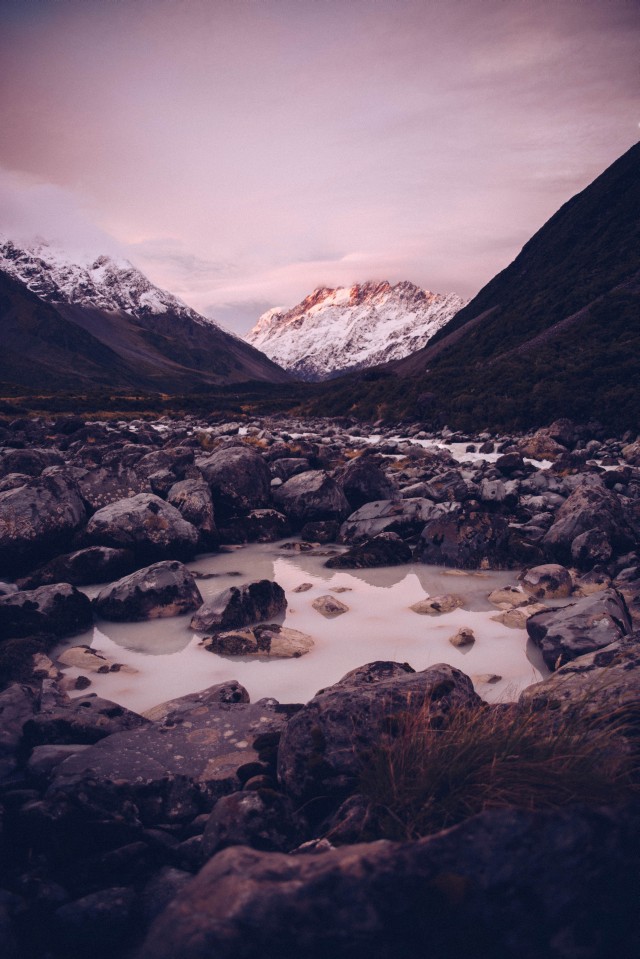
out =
column 219, row 811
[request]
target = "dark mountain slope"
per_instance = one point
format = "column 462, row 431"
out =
column 555, row 333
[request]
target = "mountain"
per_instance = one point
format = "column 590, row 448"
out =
column 557, row 333
column 102, row 324
column 334, row 330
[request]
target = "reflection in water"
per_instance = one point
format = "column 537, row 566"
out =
column 170, row 661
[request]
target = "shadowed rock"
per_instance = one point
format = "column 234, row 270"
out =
column 164, row 589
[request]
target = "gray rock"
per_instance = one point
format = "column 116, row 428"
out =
column 147, row 525
column 329, row 607
column 239, row 480
column 363, row 481
column 170, row 711
column 96, row 564
column 241, row 606
column 587, row 508
column 466, row 891
column 323, row 746
column 385, row 549
column 465, row 538
column 406, row 517
column 164, row 589
column 265, row 820
column 60, row 610
column 310, row 497
column 101, row 486
column 85, row 719
column 193, row 499
column 592, row 623
column 37, row 521
column 266, row 642
column 17, row 706
column 549, row 581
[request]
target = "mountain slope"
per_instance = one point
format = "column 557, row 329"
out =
column 333, row 330
column 555, row 333
column 68, row 325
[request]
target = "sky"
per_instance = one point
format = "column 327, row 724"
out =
column 242, row 153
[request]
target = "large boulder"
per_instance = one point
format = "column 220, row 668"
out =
column 385, row 549
column 363, row 481
column 405, row 517
column 465, row 537
column 101, row 486
column 549, row 581
column 324, row 746
column 145, row 524
column 31, row 461
column 57, row 610
column 507, row 883
column 589, row 507
column 95, row 564
column 269, row 641
column 541, row 446
column 239, row 480
column 37, row 521
column 309, row 497
column 240, row 606
column 592, row 623
column 193, row 499
column 164, row 589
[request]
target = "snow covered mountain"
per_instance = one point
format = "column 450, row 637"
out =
column 67, row 325
column 332, row 331
column 104, row 283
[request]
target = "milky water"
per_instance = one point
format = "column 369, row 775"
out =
column 169, row 660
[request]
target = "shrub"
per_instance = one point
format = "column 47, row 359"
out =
column 427, row 778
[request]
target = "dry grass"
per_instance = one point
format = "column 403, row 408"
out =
column 430, row 778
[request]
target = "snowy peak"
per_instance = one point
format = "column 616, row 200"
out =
column 333, row 330
column 104, row 283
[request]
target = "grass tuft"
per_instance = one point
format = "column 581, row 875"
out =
column 427, row 778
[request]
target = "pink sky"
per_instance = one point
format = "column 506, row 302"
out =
column 243, row 153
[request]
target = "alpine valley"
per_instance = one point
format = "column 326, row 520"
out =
column 334, row 330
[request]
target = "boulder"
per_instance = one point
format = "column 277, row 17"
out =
column 465, row 537
column 508, row 596
column 58, row 610
column 324, row 531
column 103, row 485
column 363, row 481
column 591, row 549
column 541, row 446
column 30, row 461
column 265, row 820
column 239, row 480
column 516, row 617
column 591, row 623
column 385, row 549
column 463, row 639
column 324, row 745
column 37, row 521
column 96, row 564
column 145, row 524
column 85, row 719
column 309, row 497
column 266, row 642
column 587, row 508
column 467, row 891
column 406, row 517
column 193, row 499
column 266, row 526
column 240, row 606
column 17, row 705
column 170, row 711
column 549, row 581
column 164, row 589
column 289, row 466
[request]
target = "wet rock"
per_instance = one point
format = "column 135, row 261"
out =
column 463, row 638
column 266, row 526
column 324, row 745
column 437, row 605
column 96, row 564
column 329, row 607
column 310, row 497
column 193, row 499
column 170, row 712
column 406, row 517
column 385, row 549
column 239, row 480
column 90, row 660
column 164, row 589
column 59, row 610
column 471, row 884
column 465, row 538
column 509, row 596
column 264, row 820
column 363, row 481
column 147, row 525
column 269, row 642
column 549, row 581
column 303, row 588
column 37, row 521
column 516, row 618
column 241, row 606
column 570, row 631
column 324, row 531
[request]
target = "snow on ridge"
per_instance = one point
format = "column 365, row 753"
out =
column 352, row 327
column 103, row 282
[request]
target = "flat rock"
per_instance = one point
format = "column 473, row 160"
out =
column 509, row 596
column 329, row 606
column 266, row 642
column 90, row 660
column 516, row 618
column 564, row 633
column 437, row 605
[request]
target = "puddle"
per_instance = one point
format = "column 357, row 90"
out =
column 170, row 662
